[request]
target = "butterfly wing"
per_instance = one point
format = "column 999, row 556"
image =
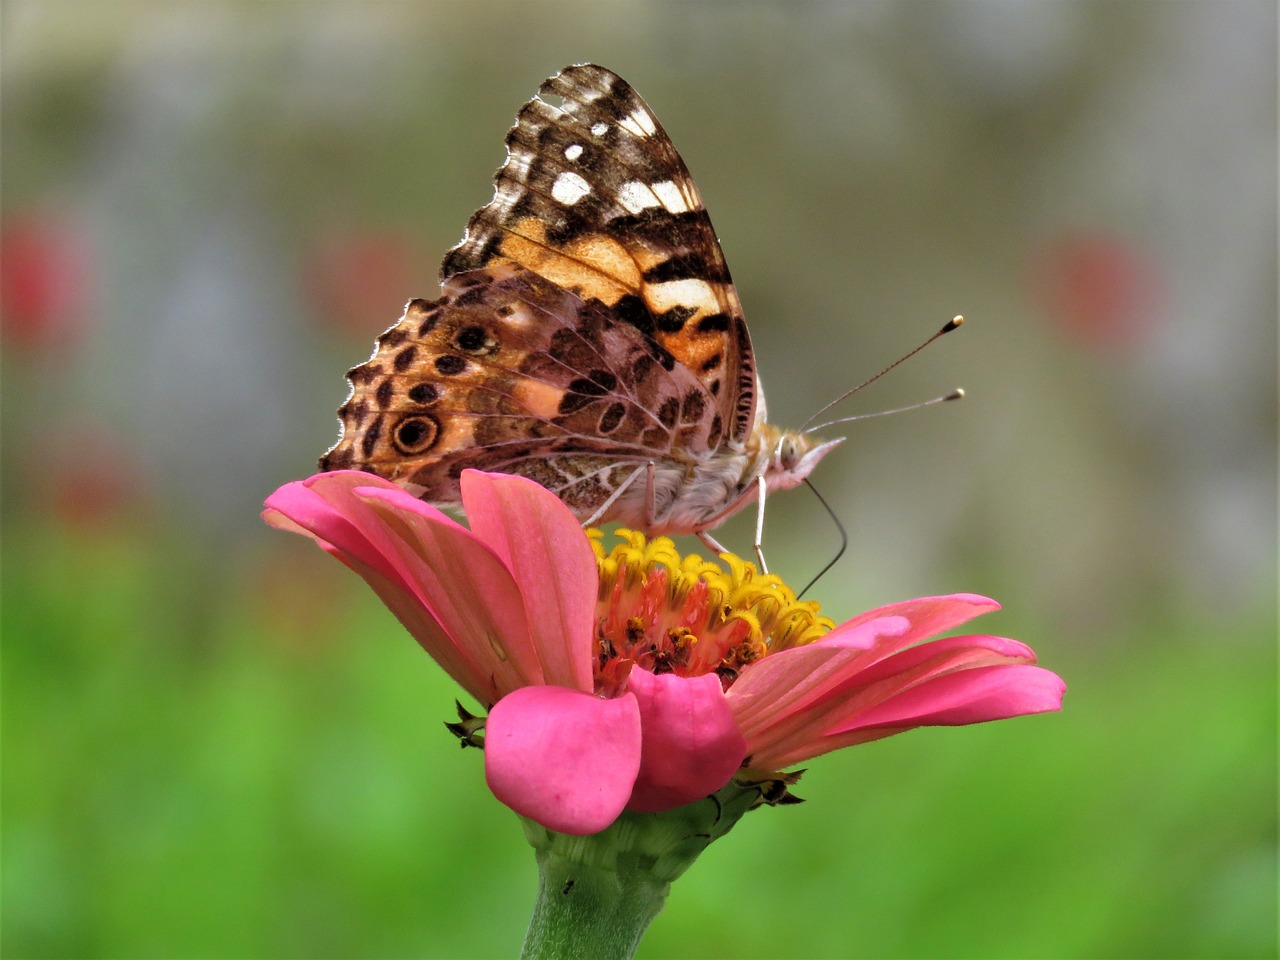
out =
column 594, row 197
column 511, row 373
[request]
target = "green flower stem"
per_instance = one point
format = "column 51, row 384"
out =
column 598, row 894
column 587, row 912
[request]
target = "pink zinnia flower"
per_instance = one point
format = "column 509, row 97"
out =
column 636, row 679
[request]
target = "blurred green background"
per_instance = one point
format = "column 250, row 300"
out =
column 217, row 744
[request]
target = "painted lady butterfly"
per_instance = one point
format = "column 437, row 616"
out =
column 587, row 336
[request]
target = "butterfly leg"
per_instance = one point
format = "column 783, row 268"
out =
column 759, row 543
column 710, row 543
column 650, row 495
column 622, row 488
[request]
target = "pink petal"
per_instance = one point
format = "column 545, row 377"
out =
column 543, row 546
column 382, row 533
column 948, row 682
column 691, row 745
column 791, row 680
column 795, row 679
column 564, row 758
column 884, row 688
column 927, row 616
column 949, row 653
column 790, row 703
column 466, row 588
column 314, row 508
column 863, row 690
column 969, row 696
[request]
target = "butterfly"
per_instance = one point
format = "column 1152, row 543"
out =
column 587, row 336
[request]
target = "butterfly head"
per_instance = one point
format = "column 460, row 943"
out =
column 794, row 455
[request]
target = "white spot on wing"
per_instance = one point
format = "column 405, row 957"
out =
column 573, row 151
column 672, row 197
column 599, row 129
column 682, row 293
column 522, row 317
column 569, row 188
column 639, row 123
column 636, row 196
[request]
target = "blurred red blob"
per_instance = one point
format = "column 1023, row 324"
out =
column 85, row 478
column 43, row 281
column 1101, row 290
column 358, row 282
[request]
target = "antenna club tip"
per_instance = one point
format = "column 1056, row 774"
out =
column 953, row 323
column 956, row 394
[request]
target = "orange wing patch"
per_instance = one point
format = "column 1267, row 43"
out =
column 594, row 197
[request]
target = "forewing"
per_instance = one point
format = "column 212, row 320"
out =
column 594, row 197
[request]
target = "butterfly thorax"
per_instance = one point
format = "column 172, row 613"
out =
column 702, row 495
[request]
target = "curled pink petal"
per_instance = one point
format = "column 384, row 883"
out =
column 790, row 680
column 970, row 696
column 866, row 633
column 691, row 745
column 564, row 758
column 463, row 584
column 793, row 680
column 315, row 507
column 928, row 617
column 541, row 543
column 860, row 690
column 465, row 611
column 865, row 680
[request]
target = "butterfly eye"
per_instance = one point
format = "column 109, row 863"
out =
column 788, row 452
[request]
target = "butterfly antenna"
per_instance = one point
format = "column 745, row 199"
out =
column 844, row 539
column 950, row 325
column 956, row 394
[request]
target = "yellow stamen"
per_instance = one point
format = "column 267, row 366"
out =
column 689, row 615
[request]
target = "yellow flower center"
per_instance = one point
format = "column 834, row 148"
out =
column 688, row 615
